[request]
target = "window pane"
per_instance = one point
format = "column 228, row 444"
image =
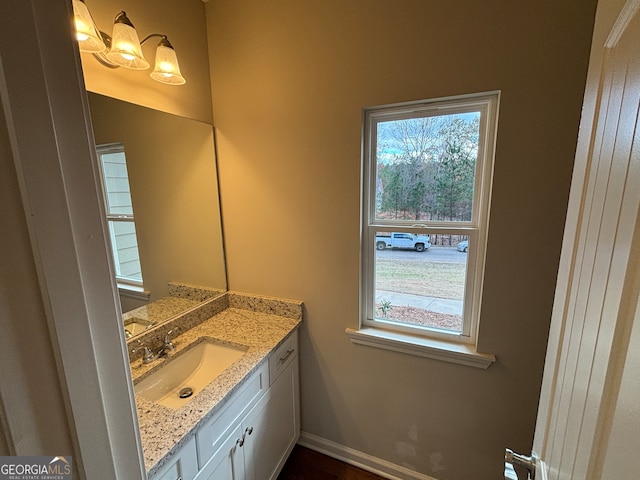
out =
column 125, row 250
column 122, row 229
column 425, row 167
column 419, row 287
column 116, row 182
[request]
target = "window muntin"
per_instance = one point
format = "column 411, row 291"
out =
column 427, row 172
column 120, row 218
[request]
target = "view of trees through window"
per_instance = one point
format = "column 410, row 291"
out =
column 426, row 167
column 425, row 173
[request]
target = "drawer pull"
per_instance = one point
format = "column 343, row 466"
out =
column 286, row 356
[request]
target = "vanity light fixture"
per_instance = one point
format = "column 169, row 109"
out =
column 87, row 34
column 126, row 50
column 167, row 69
column 123, row 48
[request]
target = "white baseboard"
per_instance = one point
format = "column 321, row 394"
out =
column 358, row 459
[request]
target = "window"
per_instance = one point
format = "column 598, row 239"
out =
column 427, row 169
column 119, row 208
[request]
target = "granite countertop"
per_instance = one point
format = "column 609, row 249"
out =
column 182, row 297
column 259, row 324
column 160, row 309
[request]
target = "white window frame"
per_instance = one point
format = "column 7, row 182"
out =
column 125, row 284
column 475, row 229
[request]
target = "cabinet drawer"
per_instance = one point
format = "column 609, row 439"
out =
column 213, row 433
column 182, row 466
column 283, row 356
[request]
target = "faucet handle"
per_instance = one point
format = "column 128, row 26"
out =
column 168, row 345
column 142, row 345
column 147, row 356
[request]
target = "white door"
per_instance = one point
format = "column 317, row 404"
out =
column 588, row 406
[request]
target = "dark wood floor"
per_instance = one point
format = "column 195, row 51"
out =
column 306, row 464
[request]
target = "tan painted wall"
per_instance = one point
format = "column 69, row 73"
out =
column 184, row 24
column 172, row 174
column 289, row 82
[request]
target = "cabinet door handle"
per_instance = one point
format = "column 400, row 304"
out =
column 247, row 431
column 286, row 356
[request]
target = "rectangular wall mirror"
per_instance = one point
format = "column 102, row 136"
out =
column 173, row 209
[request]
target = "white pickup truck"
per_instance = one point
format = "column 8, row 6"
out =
column 419, row 243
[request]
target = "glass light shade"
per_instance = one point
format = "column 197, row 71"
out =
column 167, row 69
column 89, row 39
column 125, row 48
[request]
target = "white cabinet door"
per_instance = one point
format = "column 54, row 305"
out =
column 258, row 446
column 216, row 430
column 255, row 445
column 183, row 465
column 228, row 461
column 272, row 427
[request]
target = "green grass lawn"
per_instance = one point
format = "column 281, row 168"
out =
column 441, row 280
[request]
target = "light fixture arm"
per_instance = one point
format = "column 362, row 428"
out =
column 164, row 41
column 100, row 56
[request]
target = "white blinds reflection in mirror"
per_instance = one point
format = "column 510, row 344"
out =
column 119, row 209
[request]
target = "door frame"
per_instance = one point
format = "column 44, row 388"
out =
column 585, row 383
column 46, row 110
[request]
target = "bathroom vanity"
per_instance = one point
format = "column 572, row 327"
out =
column 244, row 422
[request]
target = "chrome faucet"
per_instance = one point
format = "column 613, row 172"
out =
column 148, row 356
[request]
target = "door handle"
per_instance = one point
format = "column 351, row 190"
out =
column 529, row 463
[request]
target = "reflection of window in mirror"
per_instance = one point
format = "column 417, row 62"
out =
column 119, row 209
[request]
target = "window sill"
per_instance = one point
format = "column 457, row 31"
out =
column 423, row 347
column 133, row 291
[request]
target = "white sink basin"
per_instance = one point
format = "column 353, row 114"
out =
column 136, row 325
column 192, row 369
